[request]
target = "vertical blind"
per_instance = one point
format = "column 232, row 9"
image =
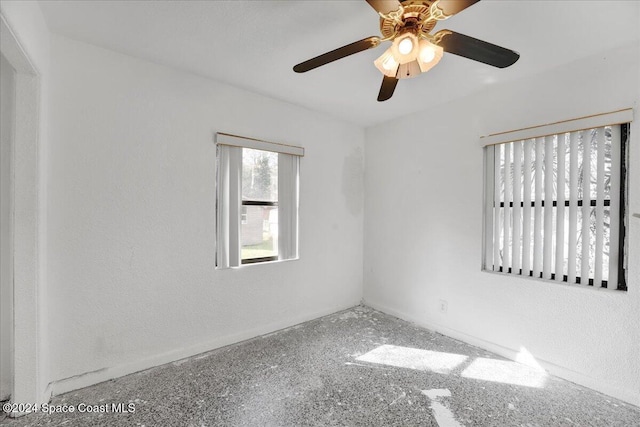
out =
column 552, row 206
column 228, row 205
column 288, row 193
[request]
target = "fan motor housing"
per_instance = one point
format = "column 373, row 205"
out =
column 415, row 14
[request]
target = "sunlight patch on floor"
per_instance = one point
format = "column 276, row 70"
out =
column 414, row 358
column 527, row 358
column 524, row 372
column 506, row 372
column 443, row 415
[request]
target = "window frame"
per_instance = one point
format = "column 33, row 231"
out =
column 620, row 118
column 229, row 204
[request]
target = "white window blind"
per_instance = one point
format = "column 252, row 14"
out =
column 553, row 204
column 228, row 206
column 269, row 214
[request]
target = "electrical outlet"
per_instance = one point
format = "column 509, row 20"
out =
column 443, row 306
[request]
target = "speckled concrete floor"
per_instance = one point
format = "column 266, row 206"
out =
column 359, row 367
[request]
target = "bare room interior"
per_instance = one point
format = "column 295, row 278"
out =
column 311, row 213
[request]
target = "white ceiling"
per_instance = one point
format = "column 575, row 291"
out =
column 254, row 44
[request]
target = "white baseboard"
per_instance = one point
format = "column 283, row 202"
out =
column 629, row 396
column 90, row 378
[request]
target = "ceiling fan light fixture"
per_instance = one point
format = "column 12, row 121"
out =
column 427, row 53
column 430, row 54
column 387, row 63
column 405, row 47
column 409, row 70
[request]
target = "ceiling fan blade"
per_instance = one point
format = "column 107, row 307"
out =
column 336, row 54
column 475, row 49
column 384, row 6
column 387, row 88
column 451, row 7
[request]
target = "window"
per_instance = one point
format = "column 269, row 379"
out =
column 256, row 201
column 554, row 205
column 259, row 228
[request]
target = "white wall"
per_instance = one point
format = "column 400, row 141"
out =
column 423, row 229
column 131, row 202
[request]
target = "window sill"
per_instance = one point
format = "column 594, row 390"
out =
column 242, row 266
column 556, row 283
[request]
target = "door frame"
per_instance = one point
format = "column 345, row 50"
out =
column 28, row 382
column 6, row 287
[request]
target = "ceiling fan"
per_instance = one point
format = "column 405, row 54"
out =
column 414, row 50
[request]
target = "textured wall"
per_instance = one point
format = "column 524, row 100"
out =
column 132, row 216
column 423, row 229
